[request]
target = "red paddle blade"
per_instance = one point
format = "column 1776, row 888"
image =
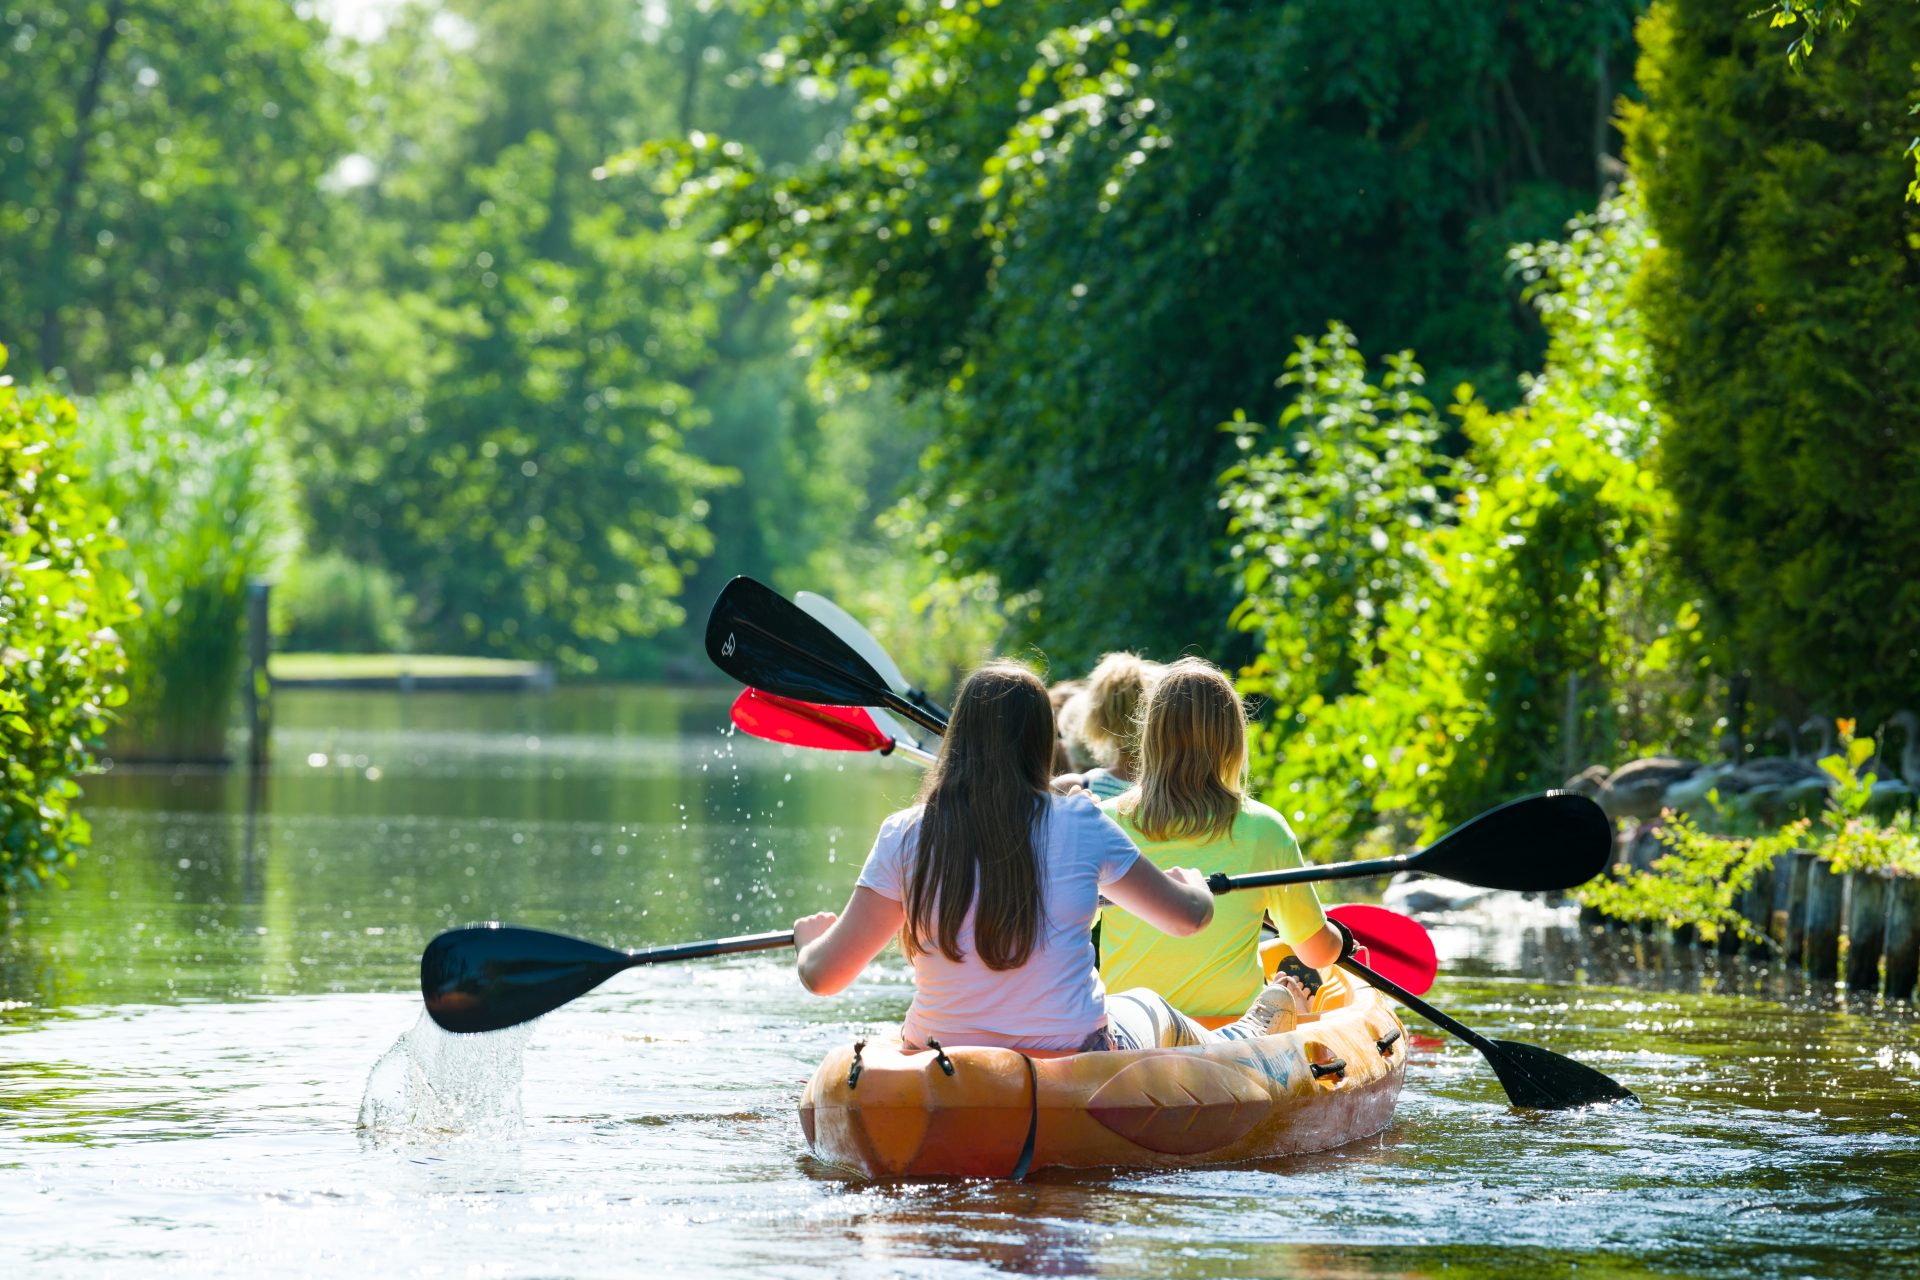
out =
column 1400, row 948
column 806, row 724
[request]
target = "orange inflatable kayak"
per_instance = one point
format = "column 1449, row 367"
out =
column 884, row 1112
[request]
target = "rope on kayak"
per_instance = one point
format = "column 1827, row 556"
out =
column 940, row 1056
column 1385, row 1044
column 1025, row 1162
column 853, row 1072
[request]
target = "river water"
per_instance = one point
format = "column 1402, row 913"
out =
column 187, row 1035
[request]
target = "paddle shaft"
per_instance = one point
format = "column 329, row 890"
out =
column 906, row 750
column 1310, row 875
column 1444, row 1021
column 709, row 947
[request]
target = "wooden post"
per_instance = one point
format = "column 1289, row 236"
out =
column 1728, row 943
column 1866, row 929
column 1758, row 910
column 1782, row 899
column 1903, row 937
column 1826, row 896
column 1570, row 728
column 1734, row 741
column 1799, row 870
column 259, row 686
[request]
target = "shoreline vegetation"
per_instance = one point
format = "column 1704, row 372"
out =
column 1574, row 430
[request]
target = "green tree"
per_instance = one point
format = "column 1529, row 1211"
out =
column 60, row 660
column 1088, row 233
column 1494, row 621
column 506, row 427
column 1783, row 311
column 159, row 176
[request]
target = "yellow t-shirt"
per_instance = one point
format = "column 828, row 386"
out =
column 1215, row 972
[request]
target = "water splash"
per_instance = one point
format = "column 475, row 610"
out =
column 433, row 1083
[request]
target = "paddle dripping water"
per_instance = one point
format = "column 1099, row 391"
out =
column 432, row 1084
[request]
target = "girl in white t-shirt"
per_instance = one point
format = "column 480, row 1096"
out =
column 991, row 883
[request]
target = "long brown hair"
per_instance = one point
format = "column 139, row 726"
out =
column 981, row 801
column 1193, row 755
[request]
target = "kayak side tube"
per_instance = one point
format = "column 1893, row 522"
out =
column 1331, row 1080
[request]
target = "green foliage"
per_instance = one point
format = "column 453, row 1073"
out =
column 61, row 664
column 1785, row 327
column 1478, row 610
column 1325, row 524
column 189, row 460
column 160, row 170
column 1855, row 837
column 1088, row 233
column 1697, row 881
column 327, row 603
column 530, row 388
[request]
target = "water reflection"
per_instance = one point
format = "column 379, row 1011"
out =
column 192, row 1027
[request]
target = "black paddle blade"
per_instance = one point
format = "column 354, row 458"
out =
column 765, row 641
column 491, row 976
column 1534, row 845
column 1546, row 1081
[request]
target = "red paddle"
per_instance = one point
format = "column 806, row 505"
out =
column 1399, row 948
column 807, row 724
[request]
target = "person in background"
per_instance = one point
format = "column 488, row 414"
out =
column 1190, row 805
column 1103, row 718
column 1060, row 694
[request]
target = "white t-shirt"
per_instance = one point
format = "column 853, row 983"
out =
column 1053, row 1001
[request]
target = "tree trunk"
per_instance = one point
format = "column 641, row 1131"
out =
column 66, row 204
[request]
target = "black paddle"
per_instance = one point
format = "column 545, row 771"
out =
column 765, row 641
column 487, row 977
column 1535, row 844
column 492, row 976
column 1532, row 1076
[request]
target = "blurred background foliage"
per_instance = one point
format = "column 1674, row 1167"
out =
column 515, row 327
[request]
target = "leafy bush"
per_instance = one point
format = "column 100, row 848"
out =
column 1696, row 882
column 1491, row 620
column 331, row 604
column 188, row 459
column 61, row 663
column 1785, row 338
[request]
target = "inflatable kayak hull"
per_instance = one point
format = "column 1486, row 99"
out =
column 885, row 1112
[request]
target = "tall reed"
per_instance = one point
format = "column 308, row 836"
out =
column 190, row 460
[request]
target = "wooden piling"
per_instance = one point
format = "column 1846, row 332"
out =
column 1799, row 866
column 259, row 686
column 1866, row 929
column 1903, row 936
column 1757, row 907
column 1826, row 897
column 1728, row 943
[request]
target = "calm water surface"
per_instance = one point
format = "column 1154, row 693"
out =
column 186, row 1037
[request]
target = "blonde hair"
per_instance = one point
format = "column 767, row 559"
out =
column 1104, row 717
column 1193, row 755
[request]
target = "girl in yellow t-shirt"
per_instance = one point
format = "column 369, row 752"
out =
column 1189, row 807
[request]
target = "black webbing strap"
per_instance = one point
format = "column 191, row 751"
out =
column 1025, row 1162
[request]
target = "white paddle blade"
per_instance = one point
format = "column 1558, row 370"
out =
column 856, row 637
column 861, row 641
